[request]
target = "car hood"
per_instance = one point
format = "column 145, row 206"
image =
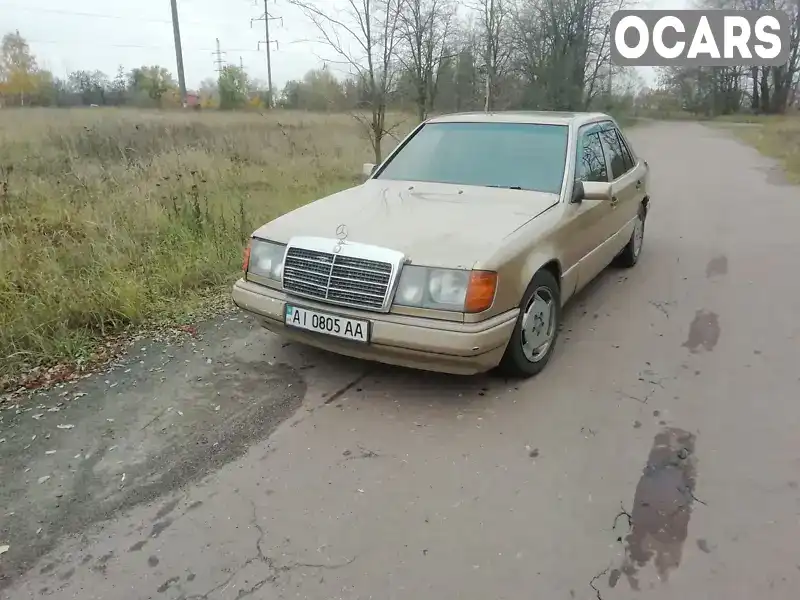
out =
column 433, row 224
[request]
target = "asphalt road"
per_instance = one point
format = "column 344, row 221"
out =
column 657, row 456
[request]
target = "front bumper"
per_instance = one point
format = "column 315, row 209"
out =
column 418, row 343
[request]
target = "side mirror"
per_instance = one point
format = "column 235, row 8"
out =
column 368, row 169
column 578, row 192
column 596, row 190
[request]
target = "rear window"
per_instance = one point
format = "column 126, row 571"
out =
column 517, row 155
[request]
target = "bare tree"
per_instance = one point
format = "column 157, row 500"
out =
column 784, row 77
column 722, row 90
column 493, row 29
column 562, row 50
column 365, row 37
column 546, row 54
column 425, row 28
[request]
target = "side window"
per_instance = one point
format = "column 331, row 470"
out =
column 591, row 163
column 615, row 157
column 626, row 153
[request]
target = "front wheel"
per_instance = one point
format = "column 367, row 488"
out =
column 630, row 253
column 534, row 337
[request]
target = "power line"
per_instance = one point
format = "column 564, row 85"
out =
column 143, row 46
column 93, row 15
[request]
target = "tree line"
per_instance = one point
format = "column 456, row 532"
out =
column 728, row 90
column 444, row 55
column 24, row 83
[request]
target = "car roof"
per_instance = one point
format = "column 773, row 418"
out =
column 522, row 116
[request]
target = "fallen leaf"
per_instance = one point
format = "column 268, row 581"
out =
column 4, row 548
column 44, row 478
column 50, row 452
column 65, row 426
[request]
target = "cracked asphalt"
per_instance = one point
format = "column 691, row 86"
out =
column 657, row 456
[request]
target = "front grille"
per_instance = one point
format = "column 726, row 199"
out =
column 346, row 280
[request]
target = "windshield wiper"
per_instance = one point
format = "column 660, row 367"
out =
column 505, row 187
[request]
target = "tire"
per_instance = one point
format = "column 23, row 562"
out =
column 517, row 361
column 632, row 251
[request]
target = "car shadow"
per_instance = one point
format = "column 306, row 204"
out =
column 428, row 388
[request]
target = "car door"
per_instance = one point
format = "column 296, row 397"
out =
column 626, row 187
column 638, row 165
column 594, row 219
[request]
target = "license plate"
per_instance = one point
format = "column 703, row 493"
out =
column 341, row 327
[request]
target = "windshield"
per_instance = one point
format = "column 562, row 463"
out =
column 509, row 155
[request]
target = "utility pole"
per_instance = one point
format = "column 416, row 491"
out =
column 218, row 60
column 176, row 30
column 610, row 69
column 267, row 18
column 241, row 64
column 487, row 92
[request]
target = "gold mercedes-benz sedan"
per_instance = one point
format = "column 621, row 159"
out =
column 459, row 251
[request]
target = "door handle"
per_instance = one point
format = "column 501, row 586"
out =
column 614, row 200
column 639, row 185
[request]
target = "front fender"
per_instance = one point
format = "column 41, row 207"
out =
column 548, row 257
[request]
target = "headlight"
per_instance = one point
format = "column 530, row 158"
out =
column 411, row 287
column 266, row 259
column 445, row 289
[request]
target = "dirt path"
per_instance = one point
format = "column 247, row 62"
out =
column 658, row 452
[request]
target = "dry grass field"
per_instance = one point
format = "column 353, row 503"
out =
column 778, row 137
column 116, row 218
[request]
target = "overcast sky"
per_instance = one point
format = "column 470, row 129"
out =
column 102, row 34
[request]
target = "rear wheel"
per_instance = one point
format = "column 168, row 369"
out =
column 630, row 253
column 534, row 336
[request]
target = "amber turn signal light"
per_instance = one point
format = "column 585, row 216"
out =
column 246, row 258
column 480, row 291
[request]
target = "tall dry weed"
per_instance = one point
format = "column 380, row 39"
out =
column 109, row 218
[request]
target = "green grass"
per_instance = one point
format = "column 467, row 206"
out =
column 115, row 218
